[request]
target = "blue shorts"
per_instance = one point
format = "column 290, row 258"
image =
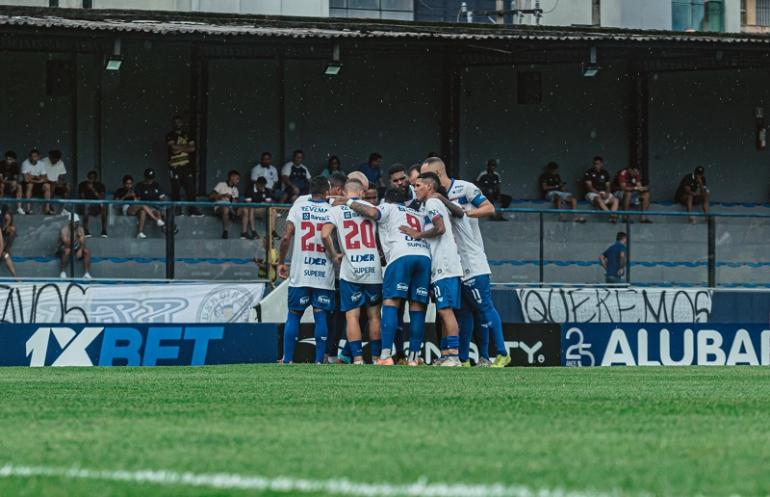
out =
column 355, row 295
column 447, row 293
column 407, row 278
column 477, row 292
column 302, row 296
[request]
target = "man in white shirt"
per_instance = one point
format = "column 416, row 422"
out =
column 226, row 192
column 295, row 177
column 265, row 169
column 35, row 179
column 56, row 173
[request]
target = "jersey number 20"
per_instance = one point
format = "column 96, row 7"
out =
column 365, row 234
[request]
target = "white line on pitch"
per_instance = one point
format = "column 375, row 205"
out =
column 230, row 481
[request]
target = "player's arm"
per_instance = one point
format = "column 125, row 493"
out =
column 485, row 209
column 437, row 230
column 454, row 209
column 622, row 269
column 368, row 211
column 283, row 250
column 328, row 241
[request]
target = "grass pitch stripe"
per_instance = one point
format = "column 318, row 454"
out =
column 292, row 485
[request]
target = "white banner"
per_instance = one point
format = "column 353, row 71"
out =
column 129, row 303
column 615, row 305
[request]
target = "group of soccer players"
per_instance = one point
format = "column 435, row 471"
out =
column 430, row 240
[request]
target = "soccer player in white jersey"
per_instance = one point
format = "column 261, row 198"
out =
column 360, row 270
column 407, row 274
column 311, row 281
column 477, row 291
column 446, row 268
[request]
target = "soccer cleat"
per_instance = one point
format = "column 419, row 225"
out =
column 484, row 363
column 141, row 236
column 385, row 362
column 402, row 361
column 451, row 362
column 501, row 361
column 413, row 363
column 439, row 361
column 466, row 364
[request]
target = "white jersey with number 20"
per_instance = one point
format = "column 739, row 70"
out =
column 394, row 243
column 444, row 257
column 358, row 242
column 310, row 265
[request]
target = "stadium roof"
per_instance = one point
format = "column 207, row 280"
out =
column 245, row 26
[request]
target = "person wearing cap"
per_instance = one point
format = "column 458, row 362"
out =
column 93, row 189
column 692, row 190
column 75, row 245
column 149, row 190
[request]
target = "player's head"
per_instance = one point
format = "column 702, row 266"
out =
column 319, row 187
column 397, row 175
column 434, row 165
column 354, row 189
column 552, row 168
column 394, row 195
column 598, row 163
column 360, row 177
column 414, row 173
column 337, row 183
column 427, row 184
column 491, row 165
column 621, row 237
column 233, row 177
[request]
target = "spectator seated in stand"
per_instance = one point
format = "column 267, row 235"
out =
column 93, row 189
column 265, row 169
column 7, row 235
column 258, row 194
column 295, row 178
column 629, row 189
column 693, row 190
column 333, row 166
column 489, row 182
column 224, row 193
column 598, row 192
column 35, row 180
column 553, row 190
column 73, row 245
column 149, row 190
column 56, row 173
column 126, row 192
column 10, row 178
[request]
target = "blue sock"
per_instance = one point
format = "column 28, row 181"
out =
column 416, row 333
column 376, row 346
column 453, row 342
column 465, row 320
column 355, row 348
column 388, row 328
column 496, row 328
column 290, row 333
column 444, row 344
column 484, row 341
column 399, row 339
column 346, row 349
column 321, row 330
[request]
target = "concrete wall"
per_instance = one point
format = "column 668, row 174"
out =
column 578, row 118
column 707, row 118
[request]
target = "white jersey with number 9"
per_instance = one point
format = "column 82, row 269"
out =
column 394, row 243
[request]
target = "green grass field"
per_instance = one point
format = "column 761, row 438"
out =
column 627, row 431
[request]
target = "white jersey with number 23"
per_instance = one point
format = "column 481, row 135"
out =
column 310, row 265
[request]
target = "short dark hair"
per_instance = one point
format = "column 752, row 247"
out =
column 699, row 170
column 263, row 154
column 11, row 154
column 415, row 167
column 552, row 166
column 431, row 154
column 394, row 195
column 598, row 158
column 333, row 158
column 126, row 178
column 621, row 235
column 337, row 179
column 396, row 168
column 34, row 151
column 55, row 155
column 492, row 162
column 374, row 156
column 232, row 172
column 261, row 180
column 319, row 185
column 297, row 151
column 92, row 172
column 433, row 178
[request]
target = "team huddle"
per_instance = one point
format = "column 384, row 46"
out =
column 431, row 243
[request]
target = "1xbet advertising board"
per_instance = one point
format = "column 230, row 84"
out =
column 638, row 344
column 136, row 344
column 528, row 344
